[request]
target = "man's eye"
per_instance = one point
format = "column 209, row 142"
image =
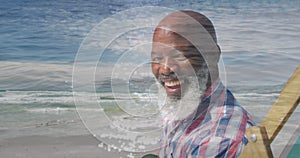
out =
column 180, row 57
column 156, row 60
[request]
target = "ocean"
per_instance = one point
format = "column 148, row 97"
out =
column 41, row 42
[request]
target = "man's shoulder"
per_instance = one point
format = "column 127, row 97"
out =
column 231, row 119
column 235, row 109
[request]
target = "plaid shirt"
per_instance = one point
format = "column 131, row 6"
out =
column 216, row 129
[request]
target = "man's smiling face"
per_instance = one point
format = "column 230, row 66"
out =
column 174, row 59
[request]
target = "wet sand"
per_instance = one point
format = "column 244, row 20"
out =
column 62, row 145
column 59, row 147
column 81, row 146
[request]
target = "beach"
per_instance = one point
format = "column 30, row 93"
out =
column 68, row 88
column 59, row 139
column 61, row 145
column 59, row 132
column 45, row 146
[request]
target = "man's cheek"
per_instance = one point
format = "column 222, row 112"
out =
column 187, row 69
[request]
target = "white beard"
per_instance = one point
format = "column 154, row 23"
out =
column 178, row 109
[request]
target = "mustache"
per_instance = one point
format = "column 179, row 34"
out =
column 169, row 76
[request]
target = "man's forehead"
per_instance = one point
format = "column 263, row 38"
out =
column 185, row 49
column 178, row 46
column 166, row 36
column 165, row 32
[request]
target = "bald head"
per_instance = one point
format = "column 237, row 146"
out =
column 181, row 20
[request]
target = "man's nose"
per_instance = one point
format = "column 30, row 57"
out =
column 166, row 67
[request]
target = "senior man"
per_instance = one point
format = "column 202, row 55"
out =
column 185, row 57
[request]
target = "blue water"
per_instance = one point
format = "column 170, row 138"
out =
column 39, row 41
column 260, row 38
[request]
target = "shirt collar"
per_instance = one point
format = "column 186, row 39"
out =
column 212, row 91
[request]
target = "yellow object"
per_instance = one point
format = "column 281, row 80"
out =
column 260, row 137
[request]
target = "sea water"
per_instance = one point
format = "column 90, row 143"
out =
column 39, row 41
